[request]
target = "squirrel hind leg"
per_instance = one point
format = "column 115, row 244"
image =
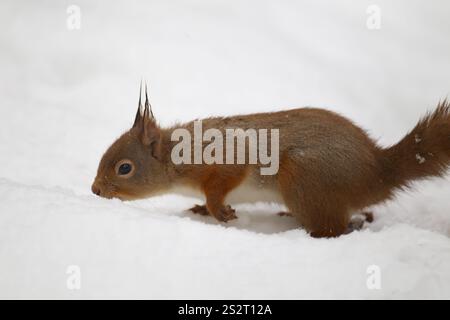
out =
column 328, row 223
column 322, row 219
column 312, row 201
column 316, row 206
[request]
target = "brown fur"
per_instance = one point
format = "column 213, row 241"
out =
column 329, row 167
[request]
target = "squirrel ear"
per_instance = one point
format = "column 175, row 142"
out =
column 150, row 132
column 151, row 136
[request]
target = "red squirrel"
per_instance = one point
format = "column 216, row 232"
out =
column 328, row 169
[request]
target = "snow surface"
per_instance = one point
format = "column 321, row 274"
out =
column 66, row 95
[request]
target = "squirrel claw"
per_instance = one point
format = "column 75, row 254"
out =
column 226, row 213
column 285, row 214
column 201, row 210
column 358, row 223
column 368, row 215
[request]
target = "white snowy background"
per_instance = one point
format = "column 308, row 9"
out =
column 65, row 95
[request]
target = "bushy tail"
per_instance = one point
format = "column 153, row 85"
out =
column 422, row 153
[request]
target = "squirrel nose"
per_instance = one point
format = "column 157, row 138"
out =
column 95, row 189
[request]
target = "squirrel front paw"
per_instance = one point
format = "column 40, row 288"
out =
column 225, row 214
column 201, row 210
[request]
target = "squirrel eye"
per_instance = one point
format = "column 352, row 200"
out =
column 124, row 168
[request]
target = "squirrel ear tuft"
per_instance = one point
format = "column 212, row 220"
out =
column 148, row 108
column 147, row 113
column 138, row 118
column 149, row 131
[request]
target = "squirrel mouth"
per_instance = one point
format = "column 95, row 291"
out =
column 123, row 196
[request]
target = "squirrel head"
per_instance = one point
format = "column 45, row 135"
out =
column 132, row 167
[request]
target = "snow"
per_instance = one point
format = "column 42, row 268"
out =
column 417, row 138
column 66, row 95
column 420, row 159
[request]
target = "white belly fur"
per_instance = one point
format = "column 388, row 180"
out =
column 250, row 192
column 247, row 192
